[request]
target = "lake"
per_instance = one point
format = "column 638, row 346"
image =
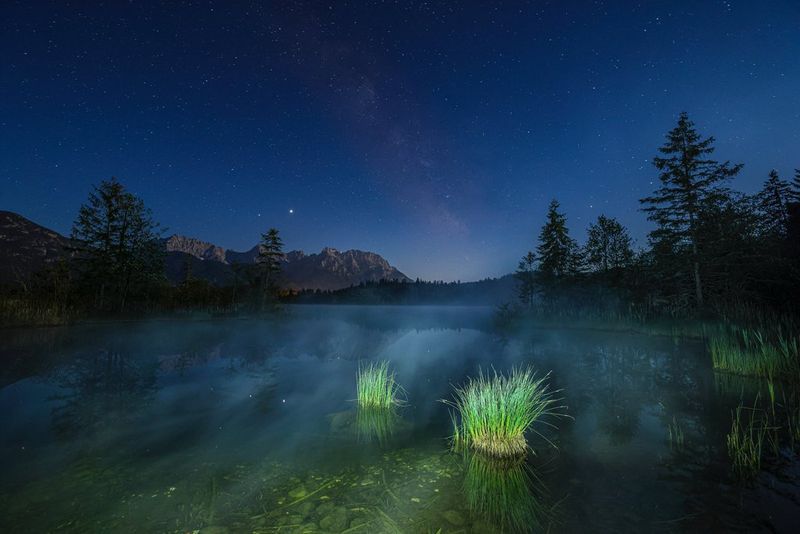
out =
column 244, row 425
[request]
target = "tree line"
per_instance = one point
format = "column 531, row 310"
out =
column 115, row 263
column 711, row 247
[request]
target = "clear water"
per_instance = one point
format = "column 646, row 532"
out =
column 249, row 426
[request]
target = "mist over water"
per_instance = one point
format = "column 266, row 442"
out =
column 248, row 425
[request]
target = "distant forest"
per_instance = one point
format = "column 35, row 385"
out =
column 711, row 249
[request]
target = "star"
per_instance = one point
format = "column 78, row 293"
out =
column 291, row 211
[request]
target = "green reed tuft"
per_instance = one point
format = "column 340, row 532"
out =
column 494, row 411
column 753, row 352
column 376, row 386
column 675, row 435
column 746, row 441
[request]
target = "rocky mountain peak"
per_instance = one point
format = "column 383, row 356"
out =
column 194, row 247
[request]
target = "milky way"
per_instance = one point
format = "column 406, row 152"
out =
column 432, row 133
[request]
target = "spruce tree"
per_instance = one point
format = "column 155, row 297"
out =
column 270, row 255
column 558, row 252
column 526, row 276
column 608, row 245
column 773, row 200
column 794, row 193
column 117, row 245
column 691, row 182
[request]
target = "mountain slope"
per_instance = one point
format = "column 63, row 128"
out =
column 26, row 247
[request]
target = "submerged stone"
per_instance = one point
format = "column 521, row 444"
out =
column 299, row 492
column 453, row 517
column 335, row 521
column 305, row 508
column 325, row 508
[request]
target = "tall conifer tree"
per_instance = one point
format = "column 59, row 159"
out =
column 773, row 204
column 558, row 252
column 270, row 255
column 691, row 182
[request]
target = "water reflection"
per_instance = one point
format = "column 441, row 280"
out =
column 179, row 426
column 376, row 424
column 505, row 493
column 100, row 390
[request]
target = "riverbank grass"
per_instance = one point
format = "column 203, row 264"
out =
column 751, row 352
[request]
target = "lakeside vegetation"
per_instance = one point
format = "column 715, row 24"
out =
column 494, row 411
column 376, row 386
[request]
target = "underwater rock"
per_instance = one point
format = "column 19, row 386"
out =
column 299, row 492
column 305, row 508
column 358, row 521
column 335, row 521
column 453, row 517
column 325, row 508
column 340, row 421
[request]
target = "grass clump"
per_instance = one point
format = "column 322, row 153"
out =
column 752, row 352
column 376, row 386
column 494, row 411
column 746, row 442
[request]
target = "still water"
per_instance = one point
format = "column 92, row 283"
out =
column 250, row 426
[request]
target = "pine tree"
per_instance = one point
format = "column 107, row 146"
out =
column 608, row 245
column 526, row 275
column 558, row 252
column 270, row 255
column 690, row 183
column 118, row 245
column 794, row 193
column 773, row 200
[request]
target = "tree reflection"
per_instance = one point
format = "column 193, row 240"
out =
column 102, row 391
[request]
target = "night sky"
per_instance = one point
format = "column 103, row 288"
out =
column 433, row 133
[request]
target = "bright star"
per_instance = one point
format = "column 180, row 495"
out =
column 291, row 211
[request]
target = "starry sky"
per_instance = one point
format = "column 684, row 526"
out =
column 433, row 133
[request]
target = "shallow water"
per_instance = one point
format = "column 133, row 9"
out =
column 249, row 426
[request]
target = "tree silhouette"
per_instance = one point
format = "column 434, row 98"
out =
column 690, row 184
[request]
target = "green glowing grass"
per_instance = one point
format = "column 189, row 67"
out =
column 376, row 386
column 746, row 442
column 495, row 411
column 753, row 353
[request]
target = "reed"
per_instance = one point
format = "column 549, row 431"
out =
column 756, row 352
column 675, row 435
column 746, row 442
column 493, row 412
column 376, row 387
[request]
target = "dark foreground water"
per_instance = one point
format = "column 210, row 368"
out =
column 249, row 426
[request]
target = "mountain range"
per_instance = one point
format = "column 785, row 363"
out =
column 26, row 247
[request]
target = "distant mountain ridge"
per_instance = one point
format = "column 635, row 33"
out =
column 329, row 269
column 26, row 247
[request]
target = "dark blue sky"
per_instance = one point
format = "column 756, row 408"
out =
column 432, row 133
